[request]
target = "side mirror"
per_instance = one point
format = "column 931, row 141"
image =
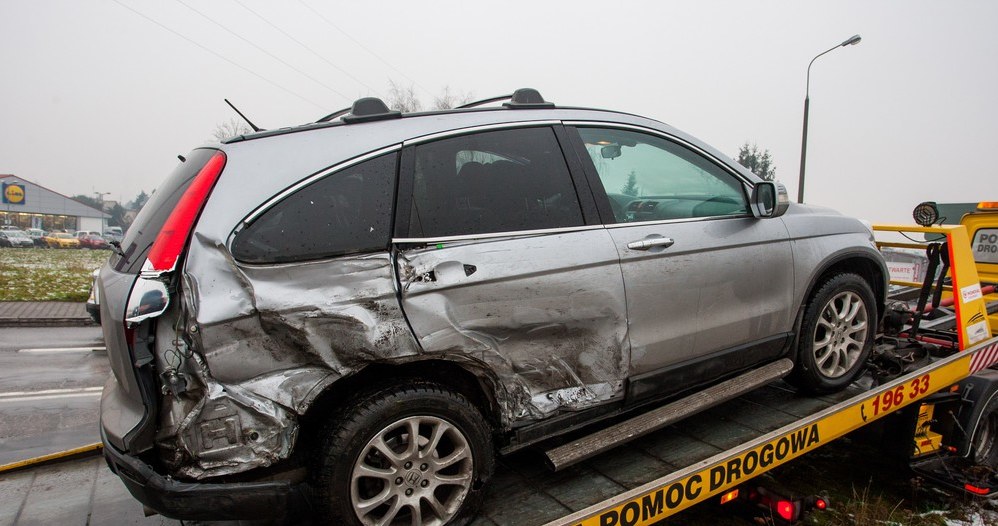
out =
column 769, row 199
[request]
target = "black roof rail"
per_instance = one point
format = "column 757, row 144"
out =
column 483, row 101
column 370, row 109
column 334, row 114
column 521, row 98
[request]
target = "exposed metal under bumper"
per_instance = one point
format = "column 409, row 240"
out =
column 608, row 438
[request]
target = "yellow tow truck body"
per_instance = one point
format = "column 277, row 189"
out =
column 982, row 227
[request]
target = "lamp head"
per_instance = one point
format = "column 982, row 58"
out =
column 926, row 214
column 851, row 41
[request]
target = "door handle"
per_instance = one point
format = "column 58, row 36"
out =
column 645, row 244
column 448, row 271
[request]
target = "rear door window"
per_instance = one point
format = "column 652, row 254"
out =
column 491, row 182
column 348, row 211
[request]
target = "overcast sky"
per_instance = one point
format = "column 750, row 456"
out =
column 101, row 95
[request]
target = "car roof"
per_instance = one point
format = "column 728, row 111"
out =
column 261, row 165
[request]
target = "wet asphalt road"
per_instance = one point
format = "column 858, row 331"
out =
column 50, row 381
column 49, row 389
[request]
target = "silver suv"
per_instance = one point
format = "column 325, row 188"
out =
column 355, row 316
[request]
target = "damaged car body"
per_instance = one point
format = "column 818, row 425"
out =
column 367, row 310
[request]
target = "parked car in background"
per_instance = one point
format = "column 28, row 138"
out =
column 15, row 238
column 93, row 241
column 81, row 233
column 37, row 235
column 385, row 301
column 62, row 240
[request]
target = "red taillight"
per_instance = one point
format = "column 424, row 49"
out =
column 785, row 509
column 975, row 490
column 173, row 236
column 820, row 503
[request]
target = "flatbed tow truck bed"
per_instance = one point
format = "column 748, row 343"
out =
column 704, row 456
column 525, row 491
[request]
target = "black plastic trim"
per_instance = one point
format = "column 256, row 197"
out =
column 370, row 109
column 716, row 366
column 403, row 191
column 206, row 501
column 592, row 177
column 583, row 190
column 839, row 258
column 527, row 98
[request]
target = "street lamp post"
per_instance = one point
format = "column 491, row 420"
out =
column 100, row 201
column 807, row 100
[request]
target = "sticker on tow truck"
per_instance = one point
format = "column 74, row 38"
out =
column 971, row 293
column 985, row 245
column 977, row 332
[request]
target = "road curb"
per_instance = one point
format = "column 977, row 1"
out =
column 61, row 456
column 46, row 322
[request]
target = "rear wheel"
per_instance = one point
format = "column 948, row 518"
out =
column 984, row 447
column 404, row 455
column 836, row 335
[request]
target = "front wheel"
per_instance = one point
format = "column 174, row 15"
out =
column 836, row 335
column 404, row 455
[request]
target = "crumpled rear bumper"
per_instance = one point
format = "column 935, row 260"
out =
column 281, row 500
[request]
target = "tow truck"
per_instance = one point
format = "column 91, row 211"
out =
column 930, row 385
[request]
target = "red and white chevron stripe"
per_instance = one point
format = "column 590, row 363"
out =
column 985, row 357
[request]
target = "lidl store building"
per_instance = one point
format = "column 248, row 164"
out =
column 27, row 205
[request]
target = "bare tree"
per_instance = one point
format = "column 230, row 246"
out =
column 447, row 100
column 403, row 98
column 230, row 128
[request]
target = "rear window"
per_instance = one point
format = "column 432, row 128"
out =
column 141, row 235
column 349, row 211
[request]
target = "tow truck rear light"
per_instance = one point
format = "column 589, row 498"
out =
column 173, row 236
column 785, row 509
column 976, row 490
column 729, row 496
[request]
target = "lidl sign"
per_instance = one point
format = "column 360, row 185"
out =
column 13, row 194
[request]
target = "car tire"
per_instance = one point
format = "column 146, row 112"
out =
column 368, row 470
column 984, row 444
column 836, row 335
